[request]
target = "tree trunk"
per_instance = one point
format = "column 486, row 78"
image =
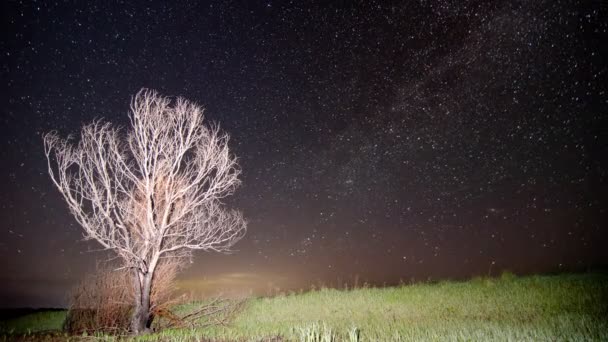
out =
column 140, row 321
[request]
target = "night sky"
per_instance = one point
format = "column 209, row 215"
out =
column 379, row 142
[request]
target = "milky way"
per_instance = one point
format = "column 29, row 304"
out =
column 378, row 142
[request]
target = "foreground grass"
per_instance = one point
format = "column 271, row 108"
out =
column 540, row 308
column 565, row 307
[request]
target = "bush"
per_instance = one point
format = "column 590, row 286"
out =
column 102, row 301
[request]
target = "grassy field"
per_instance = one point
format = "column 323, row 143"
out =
column 569, row 307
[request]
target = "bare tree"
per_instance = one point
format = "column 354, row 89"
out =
column 152, row 192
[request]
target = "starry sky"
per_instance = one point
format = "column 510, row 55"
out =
column 379, row 142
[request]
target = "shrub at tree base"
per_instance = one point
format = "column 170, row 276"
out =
column 102, row 301
column 79, row 321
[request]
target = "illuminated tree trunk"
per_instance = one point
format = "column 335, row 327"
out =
column 142, row 317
